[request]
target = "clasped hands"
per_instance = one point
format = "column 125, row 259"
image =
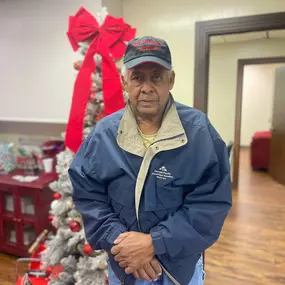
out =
column 135, row 253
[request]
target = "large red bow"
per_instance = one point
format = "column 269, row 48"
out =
column 108, row 41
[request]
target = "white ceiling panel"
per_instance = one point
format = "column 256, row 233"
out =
column 276, row 34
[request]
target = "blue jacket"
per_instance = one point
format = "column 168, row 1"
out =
column 178, row 190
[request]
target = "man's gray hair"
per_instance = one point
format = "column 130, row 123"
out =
column 124, row 72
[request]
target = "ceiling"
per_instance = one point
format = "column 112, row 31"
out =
column 277, row 34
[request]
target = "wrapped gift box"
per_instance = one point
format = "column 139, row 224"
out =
column 7, row 157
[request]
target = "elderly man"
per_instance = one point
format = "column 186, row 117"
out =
column 152, row 181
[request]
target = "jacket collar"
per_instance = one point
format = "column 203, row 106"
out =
column 129, row 138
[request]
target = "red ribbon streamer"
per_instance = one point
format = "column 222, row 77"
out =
column 107, row 40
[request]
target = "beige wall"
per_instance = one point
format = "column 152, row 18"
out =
column 115, row 7
column 35, row 98
column 223, row 78
column 36, row 74
column 175, row 22
column 257, row 101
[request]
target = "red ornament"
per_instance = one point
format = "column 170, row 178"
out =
column 57, row 269
column 93, row 91
column 49, row 270
column 50, row 218
column 74, row 226
column 77, row 64
column 100, row 116
column 106, row 279
column 88, row 250
column 56, row 196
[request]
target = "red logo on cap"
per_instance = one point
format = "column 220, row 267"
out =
column 147, row 42
column 145, row 48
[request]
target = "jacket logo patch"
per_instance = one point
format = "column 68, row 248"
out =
column 162, row 173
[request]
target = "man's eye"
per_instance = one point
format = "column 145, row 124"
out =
column 157, row 77
column 135, row 78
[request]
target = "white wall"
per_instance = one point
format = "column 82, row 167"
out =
column 223, row 78
column 36, row 58
column 175, row 22
column 258, row 96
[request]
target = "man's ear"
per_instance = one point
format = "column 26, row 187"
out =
column 171, row 80
column 124, row 83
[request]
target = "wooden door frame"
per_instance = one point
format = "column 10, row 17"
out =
column 238, row 108
column 206, row 29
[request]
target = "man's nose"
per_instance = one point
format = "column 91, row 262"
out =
column 147, row 86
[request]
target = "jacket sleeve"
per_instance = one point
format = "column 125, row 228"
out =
column 198, row 222
column 101, row 225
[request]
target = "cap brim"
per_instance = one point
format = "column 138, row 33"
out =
column 145, row 59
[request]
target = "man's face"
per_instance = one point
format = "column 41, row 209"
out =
column 148, row 86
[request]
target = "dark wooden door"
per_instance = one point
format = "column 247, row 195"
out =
column 277, row 154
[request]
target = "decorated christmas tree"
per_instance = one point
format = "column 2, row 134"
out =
column 101, row 42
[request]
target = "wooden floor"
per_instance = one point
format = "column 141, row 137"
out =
column 251, row 249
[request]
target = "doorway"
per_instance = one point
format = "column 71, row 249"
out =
column 229, row 55
column 204, row 31
column 242, row 138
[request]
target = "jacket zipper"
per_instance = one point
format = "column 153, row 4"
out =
column 123, row 280
column 169, row 275
column 163, row 268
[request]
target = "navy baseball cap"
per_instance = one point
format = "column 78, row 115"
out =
column 147, row 49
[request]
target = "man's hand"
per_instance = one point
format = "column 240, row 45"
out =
column 150, row 272
column 133, row 250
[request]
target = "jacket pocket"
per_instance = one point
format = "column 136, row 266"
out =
column 163, row 197
column 122, row 190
